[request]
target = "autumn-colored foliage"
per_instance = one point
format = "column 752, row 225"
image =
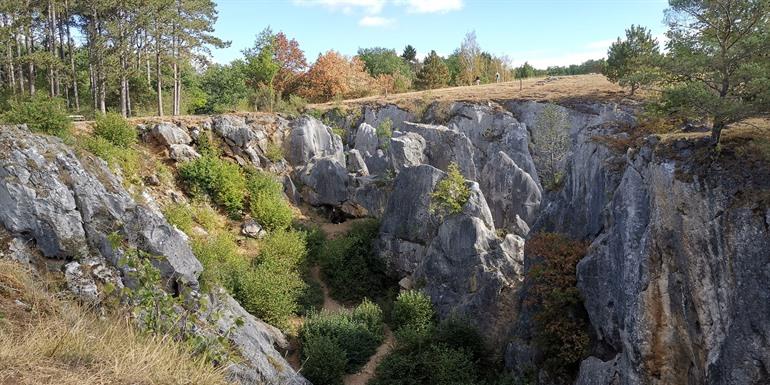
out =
column 291, row 61
column 559, row 317
column 334, row 75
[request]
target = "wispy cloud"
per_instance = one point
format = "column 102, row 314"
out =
column 375, row 21
column 431, row 6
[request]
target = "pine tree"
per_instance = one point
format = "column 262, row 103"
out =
column 634, row 61
column 434, row 73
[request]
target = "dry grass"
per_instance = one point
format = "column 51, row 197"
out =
column 563, row 89
column 49, row 340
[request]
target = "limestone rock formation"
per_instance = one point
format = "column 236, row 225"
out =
column 73, row 208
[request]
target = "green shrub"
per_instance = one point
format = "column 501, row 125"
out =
column 266, row 201
column 384, row 132
column 116, row 129
column 271, row 292
column 223, row 265
column 429, row 365
column 179, row 215
column 271, row 211
column 223, row 181
column 369, row 314
column 357, row 333
column 413, row 310
column 324, row 362
column 41, row 114
column 350, row 268
column 272, row 288
column 274, row 152
column 559, row 319
column 451, row 193
column 312, row 297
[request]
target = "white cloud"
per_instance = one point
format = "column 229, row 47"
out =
column 371, row 7
column 375, row 21
column 431, row 6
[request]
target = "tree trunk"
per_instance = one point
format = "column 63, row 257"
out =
column 30, row 44
column 73, row 71
column 158, row 74
column 51, row 49
column 21, row 67
column 716, row 131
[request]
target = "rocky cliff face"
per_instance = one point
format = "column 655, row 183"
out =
column 676, row 281
column 676, row 285
column 67, row 206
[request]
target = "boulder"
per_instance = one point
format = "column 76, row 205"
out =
column 407, row 150
column 366, row 140
column 324, row 181
column 69, row 206
column 445, row 146
column 376, row 115
column 356, row 164
column 309, row 138
column 183, row 153
column 167, row 134
column 252, row 229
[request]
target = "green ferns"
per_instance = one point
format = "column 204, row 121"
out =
column 451, row 193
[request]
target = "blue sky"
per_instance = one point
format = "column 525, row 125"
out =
column 545, row 32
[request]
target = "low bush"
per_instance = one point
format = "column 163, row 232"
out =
column 350, row 268
column 560, row 321
column 428, row 365
column 222, row 262
column 412, row 310
column 41, row 114
column 273, row 152
column 115, row 129
column 357, row 333
column 312, row 297
column 221, row 180
column 451, row 193
column 324, row 361
column 384, row 132
column 267, row 203
column 185, row 216
column 272, row 288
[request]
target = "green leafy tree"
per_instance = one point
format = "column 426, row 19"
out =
column 382, row 61
column 225, row 87
column 718, row 60
column 634, row 62
column 524, row 71
column 451, row 193
column 434, row 73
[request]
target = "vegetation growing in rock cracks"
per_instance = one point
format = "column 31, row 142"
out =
column 451, row 193
column 561, row 328
column 113, row 140
column 429, row 352
column 384, row 132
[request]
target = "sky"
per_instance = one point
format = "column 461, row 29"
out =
column 542, row 32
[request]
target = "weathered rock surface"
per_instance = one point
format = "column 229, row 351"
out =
column 74, row 208
column 183, row 153
column 376, row 115
column 446, row 146
column 406, row 150
column 356, row 164
column 677, row 285
column 309, row 139
column 248, row 137
column 169, row 133
column 465, row 267
column 324, row 181
column 511, row 193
